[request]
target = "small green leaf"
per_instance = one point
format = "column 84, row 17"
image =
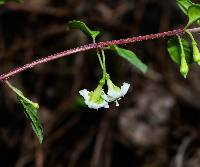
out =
column 2, row 2
column 31, row 112
column 193, row 14
column 75, row 24
column 131, row 57
column 174, row 50
column 184, row 5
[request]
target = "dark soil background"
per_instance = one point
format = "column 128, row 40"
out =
column 156, row 125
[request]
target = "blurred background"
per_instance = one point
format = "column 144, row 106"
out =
column 157, row 123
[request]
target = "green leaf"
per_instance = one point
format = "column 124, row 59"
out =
column 75, row 24
column 131, row 57
column 174, row 50
column 31, row 112
column 184, row 5
column 193, row 14
column 2, row 2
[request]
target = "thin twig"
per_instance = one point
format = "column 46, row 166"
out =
column 99, row 144
column 83, row 48
column 179, row 159
column 80, row 148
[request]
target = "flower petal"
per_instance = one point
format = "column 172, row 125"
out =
column 84, row 93
column 124, row 88
column 91, row 103
column 112, row 94
column 96, row 106
column 115, row 93
column 106, row 106
column 105, row 97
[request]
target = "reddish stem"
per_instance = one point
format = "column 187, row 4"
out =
column 83, row 48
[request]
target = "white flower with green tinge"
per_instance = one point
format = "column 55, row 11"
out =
column 115, row 93
column 95, row 99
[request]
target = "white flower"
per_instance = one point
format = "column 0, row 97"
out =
column 95, row 99
column 115, row 93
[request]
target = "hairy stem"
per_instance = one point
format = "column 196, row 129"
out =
column 83, row 48
column 181, row 45
column 100, row 61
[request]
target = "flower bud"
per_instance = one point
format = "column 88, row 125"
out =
column 36, row 105
column 196, row 53
column 183, row 66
